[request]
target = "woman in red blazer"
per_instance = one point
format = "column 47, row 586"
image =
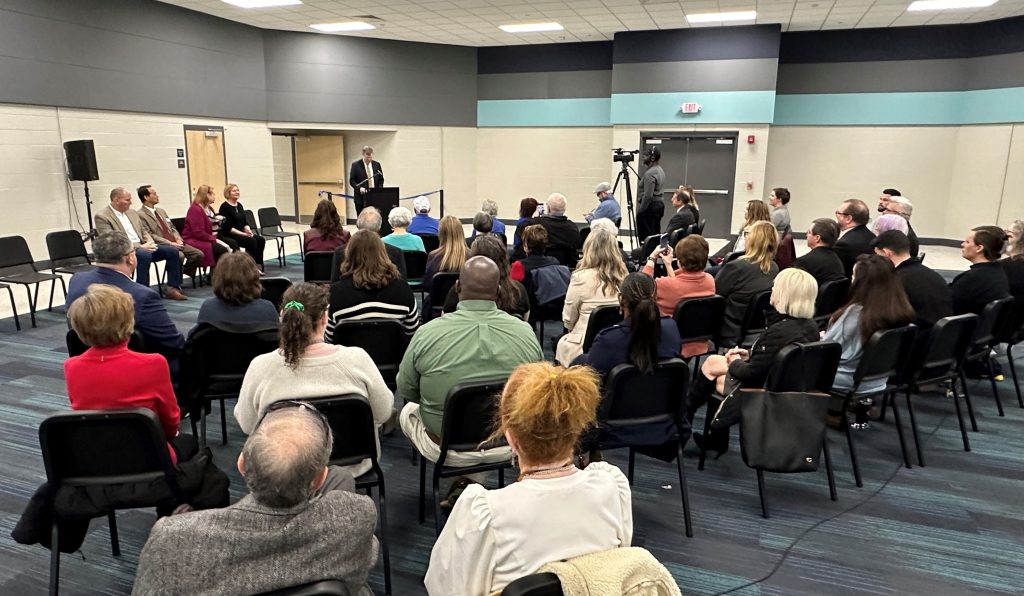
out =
column 198, row 230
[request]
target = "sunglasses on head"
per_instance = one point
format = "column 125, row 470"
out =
column 292, row 403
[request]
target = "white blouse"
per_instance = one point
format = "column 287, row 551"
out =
column 494, row 537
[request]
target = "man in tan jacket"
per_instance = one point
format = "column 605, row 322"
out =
column 118, row 217
column 159, row 226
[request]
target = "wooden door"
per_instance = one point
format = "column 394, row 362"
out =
column 204, row 152
column 319, row 165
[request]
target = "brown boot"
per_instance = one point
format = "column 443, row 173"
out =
column 174, row 294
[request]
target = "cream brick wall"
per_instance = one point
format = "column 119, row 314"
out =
column 284, row 174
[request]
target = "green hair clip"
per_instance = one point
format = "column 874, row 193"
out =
column 296, row 305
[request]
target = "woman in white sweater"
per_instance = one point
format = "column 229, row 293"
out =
column 555, row 511
column 306, row 367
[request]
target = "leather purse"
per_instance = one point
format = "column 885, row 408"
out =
column 782, row 431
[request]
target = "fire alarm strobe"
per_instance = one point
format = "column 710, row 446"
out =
column 690, row 108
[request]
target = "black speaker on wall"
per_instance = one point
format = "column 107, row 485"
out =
column 81, row 157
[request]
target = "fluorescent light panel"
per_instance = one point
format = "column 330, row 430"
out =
column 340, row 27
column 721, row 17
column 262, row 3
column 920, row 5
column 531, row 27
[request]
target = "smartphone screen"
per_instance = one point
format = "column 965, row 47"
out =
column 664, row 241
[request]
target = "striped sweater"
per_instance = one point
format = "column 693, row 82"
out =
column 393, row 301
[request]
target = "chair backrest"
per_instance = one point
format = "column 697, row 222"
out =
column 324, row 587
column 1012, row 330
column 832, row 295
column 648, row 246
column 733, row 256
column 786, row 253
column 77, row 347
column 95, row 447
column 442, row 283
column 678, row 235
column 631, row 397
column 601, row 317
column 214, row 360
column 565, row 255
column 805, row 367
column 699, row 319
column 178, row 223
column 469, row 413
column 700, row 227
column 584, row 232
column 269, row 218
column 920, row 257
column 317, row 266
column 14, row 252
column 274, row 289
column 250, row 220
column 383, row 339
column 993, row 317
column 66, row 248
column 351, row 420
column 885, row 354
column 948, row 342
column 537, row 584
column 430, row 242
column 415, row 263
column 754, row 319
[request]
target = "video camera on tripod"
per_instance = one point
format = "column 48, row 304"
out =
column 622, row 155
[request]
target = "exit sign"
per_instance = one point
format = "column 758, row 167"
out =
column 690, row 108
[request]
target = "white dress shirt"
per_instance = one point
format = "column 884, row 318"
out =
column 129, row 229
column 369, row 174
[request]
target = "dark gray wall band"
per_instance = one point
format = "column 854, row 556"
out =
column 711, row 43
column 550, row 57
column 696, row 75
column 545, row 85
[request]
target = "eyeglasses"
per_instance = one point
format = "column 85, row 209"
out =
column 291, row 403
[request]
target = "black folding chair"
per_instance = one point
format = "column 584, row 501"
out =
column 67, row 252
column 832, row 295
column 384, row 340
column 1012, row 333
column 93, row 448
column 536, row 584
column 633, row 400
column 77, row 347
column 274, row 289
column 270, row 227
column 885, row 356
column 678, row 235
column 179, row 223
column 566, row 256
column 415, row 267
column 355, row 439
column 431, row 242
column 755, row 319
column 468, row 416
column 601, row 318
column 699, row 319
column 700, row 227
column 18, row 267
column 213, row 365
column 647, row 247
column 317, row 266
column 994, row 317
column 441, row 284
column 326, row 587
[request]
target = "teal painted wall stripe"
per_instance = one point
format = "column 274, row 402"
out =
column 937, row 108
column 717, row 107
column 543, row 112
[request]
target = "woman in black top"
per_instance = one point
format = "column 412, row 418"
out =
column 234, row 229
column 986, row 280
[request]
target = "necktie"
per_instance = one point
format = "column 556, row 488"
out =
column 369, row 174
column 163, row 227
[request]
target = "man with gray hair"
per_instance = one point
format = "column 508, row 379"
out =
column 900, row 205
column 300, row 522
column 116, row 260
column 364, row 174
column 369, row 219
column 489, row 207
column 563, row 235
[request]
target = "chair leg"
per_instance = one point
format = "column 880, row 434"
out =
column 761, row 492
column 202, row 425
column 115, row 544
column 423, row 488
column 53, row 286
column 885, row 404
column 435, row 489
column 54, row 559
column 501, row 477
column 995, row 389
column 967, row 399
column 684, row 494
column 32, row 304
column 632, row 461
column 223, row 424
column 383, row 514
column 829, row 473
column 707, row 432
column 1013, row 373
column 853, row 450
column 17, row 322
column 913, row 427
column 899, row 428
column 192, row 419
column 959, row 418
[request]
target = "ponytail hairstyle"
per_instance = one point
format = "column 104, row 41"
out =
column 639, row 295
column 304, row 305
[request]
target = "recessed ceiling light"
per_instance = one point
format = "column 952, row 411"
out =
column 531, row 27
column 340, row 27
column 949, row 4
column 262, row 3
column 721, row 17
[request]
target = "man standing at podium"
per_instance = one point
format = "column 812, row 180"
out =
column 364, row 175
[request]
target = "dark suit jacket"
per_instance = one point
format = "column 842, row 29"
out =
column 151, row 318
column 854, row 243
column 563, row 237
column 611, row 346
column 683, row 218
column 357, row 176
column 927, row 292
column 915, row 244
column 394, row 253
column 823, row 264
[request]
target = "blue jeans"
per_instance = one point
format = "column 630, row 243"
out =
column 163, row 252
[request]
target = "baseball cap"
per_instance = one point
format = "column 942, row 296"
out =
column 421, row 204
column 603, row 187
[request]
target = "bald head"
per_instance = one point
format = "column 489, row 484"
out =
column 555, row 204
column 479, row 279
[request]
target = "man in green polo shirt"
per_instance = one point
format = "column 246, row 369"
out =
column 476, row 342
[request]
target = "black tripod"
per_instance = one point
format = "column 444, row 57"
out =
column 630, row 215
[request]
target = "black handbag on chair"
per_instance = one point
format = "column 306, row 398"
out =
column 782, row 432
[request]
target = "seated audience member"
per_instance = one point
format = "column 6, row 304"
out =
column 692, row 205
column 822, row 262
column 742, row 279
column 779, row 200
column 756, row 211
column 301, row 522
column 986, row 280
column 325, row 232
column 928, row 293
column 369, row 219
column 370, row 287
column 160, row 228
column 114, row 257
column 563, row 234
column 689, row 281
column 603, row 223
column 607, row 205
column 890, row 221
column 491, row 208
column 854, row 236
column 683, row 217
column 902, row 206
column 483, row 223
column 534, row 244
column 119, row 217
column 887, row 196
column 305, row 366
column 399, row 219
column 421, row 222
column 236, row 298
column 527, row 209
column 449, row 257
column 109, row 376
column 877, row 302
column 235, row 229
column 555, row 511
column 642, row 338
column 595, row 282
column 793, row 297
column 476, row 342
column 1013, row 264
column 512, row 297
column 199, row 230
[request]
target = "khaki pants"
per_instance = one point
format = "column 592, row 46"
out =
column 413, row 428
column 191, row 257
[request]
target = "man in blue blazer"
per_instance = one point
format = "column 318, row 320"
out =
column 115, row 264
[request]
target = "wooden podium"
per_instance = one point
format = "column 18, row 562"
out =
column 384, row 199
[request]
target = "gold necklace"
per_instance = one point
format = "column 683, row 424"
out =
column 547, row 471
